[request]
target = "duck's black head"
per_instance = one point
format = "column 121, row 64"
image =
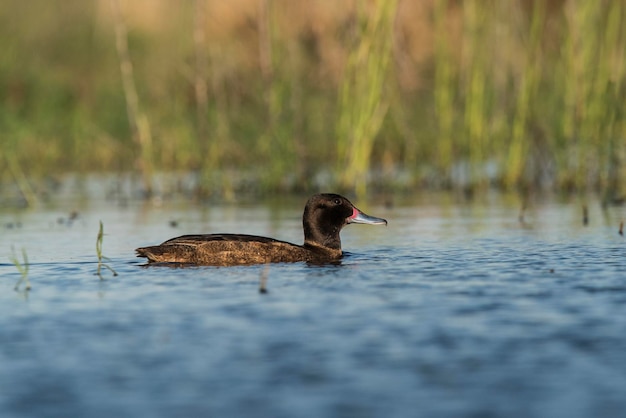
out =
column 324, row 216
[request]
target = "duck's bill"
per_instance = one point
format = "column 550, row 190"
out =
column 359, row 217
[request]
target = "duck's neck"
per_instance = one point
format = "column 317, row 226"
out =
column 323, row 251
column 322, row 237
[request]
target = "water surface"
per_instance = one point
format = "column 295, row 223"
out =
column 454, row 309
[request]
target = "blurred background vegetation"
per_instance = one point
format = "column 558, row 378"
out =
column 297, row 95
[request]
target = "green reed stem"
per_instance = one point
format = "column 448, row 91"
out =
column 200, row 77
column 100, row 256
column 138, row 120
column 276, row 142
column 22, row 267
column 22, row 182
column 612, row 126
column 444, row 88
column 527, row 93
column 476, row 118
column 362, row 103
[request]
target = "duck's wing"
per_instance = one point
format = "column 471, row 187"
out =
column 195, row 240
column 224, row 250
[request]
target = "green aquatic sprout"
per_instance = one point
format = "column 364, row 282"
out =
column 22, row 268
column 100, row 256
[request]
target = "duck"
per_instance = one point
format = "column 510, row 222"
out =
column 324, row 216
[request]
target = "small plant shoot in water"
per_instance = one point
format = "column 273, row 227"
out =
column 22, row 268
column 100, row 256
column 263, row 279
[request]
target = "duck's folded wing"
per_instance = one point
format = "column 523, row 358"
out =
column 223, row 250
column 195, row 240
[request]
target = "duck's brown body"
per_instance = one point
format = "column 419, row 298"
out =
column 324, row 217
column 234, row 249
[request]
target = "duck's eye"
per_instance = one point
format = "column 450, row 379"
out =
column 337, row 201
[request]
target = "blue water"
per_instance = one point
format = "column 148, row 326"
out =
column 454, row 309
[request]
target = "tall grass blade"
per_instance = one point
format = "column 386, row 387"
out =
column 22, row 182
column 444, row 90
column 362, row 102
column 22, row 267
column 527, row 91
column 100, row 256
column 139, row 124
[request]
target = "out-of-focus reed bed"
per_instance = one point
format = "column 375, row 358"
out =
column 306, row 94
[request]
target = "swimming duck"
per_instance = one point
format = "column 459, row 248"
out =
column 324, row 217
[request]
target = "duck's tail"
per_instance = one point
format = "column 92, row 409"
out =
column 154, row 254
column 166, row 254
